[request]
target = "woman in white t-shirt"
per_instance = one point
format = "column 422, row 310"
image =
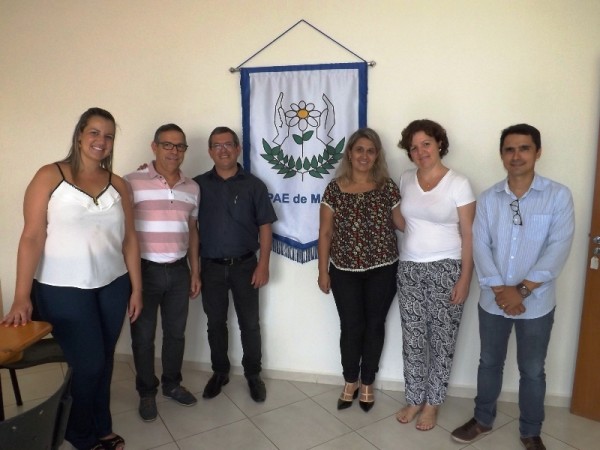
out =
column 435, row 269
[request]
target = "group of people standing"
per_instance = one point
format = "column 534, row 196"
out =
column 233, row 220
column 95, row 244
column 518, row 238
column 147, row 242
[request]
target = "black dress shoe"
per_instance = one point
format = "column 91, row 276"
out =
column 258, row 391
column 213, row 387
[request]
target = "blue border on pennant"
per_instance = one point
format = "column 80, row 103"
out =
column 297, row 251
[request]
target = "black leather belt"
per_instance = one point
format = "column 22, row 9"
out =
column 179, row 262
column 231, row 261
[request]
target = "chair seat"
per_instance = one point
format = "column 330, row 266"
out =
column 42, row 352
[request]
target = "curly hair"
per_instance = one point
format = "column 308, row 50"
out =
column 379, row 171
column 430, row 128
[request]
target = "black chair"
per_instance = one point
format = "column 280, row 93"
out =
column 42, row 427
column 44, row 351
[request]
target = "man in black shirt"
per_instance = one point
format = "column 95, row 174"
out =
column 235, row 220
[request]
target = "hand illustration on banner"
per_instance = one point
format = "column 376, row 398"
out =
column 303, row 115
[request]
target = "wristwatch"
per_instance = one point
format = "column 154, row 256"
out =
column 523, row 290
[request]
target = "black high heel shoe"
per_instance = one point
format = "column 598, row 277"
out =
column 367, row 397
column 349, row 393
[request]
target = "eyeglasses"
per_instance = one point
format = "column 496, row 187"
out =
column 226, row 146
column 514, row 205
column 171, row 146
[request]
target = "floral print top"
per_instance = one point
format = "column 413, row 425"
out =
column 363, row 233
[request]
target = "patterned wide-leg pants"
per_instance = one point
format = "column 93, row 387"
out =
column 429, row 327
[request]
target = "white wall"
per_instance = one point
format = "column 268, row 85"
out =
column 474, row 66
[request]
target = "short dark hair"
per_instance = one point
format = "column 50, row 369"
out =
column 430, row 128
column 525, row 129
column 168, row 127
column 221, row 130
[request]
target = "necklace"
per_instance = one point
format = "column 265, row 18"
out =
column 428, row 185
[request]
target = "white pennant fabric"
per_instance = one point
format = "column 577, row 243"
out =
column 296, row 120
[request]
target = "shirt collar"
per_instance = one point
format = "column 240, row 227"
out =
column 154, row 174
column 539, row 183
column 241, row 173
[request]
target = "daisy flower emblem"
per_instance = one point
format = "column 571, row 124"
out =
column 303, row 114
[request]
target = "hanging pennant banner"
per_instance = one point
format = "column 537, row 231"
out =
column 296, row 120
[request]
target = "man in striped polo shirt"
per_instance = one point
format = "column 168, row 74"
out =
column 166, row 212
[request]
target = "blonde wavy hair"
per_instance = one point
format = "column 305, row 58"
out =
column 74, row 156
column 379, row 171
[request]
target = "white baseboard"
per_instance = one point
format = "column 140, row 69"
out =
column 385, row 384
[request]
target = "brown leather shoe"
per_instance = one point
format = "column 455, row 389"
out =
column 470, row 431
column 533, row 443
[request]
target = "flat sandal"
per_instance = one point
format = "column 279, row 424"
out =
column 112, row 443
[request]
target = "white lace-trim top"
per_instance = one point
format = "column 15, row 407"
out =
column 84, row 238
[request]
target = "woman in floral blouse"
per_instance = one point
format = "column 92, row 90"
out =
column 358, row 259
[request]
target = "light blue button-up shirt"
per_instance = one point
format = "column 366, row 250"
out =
column 506, row 254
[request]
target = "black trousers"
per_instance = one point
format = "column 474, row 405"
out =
column 217, row 281
column 363, row 300
column 165, row 287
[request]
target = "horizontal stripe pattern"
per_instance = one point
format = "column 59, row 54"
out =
column 162, row 214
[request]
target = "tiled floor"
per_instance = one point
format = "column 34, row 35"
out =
column 296, row 415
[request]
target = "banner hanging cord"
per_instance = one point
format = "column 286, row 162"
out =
column 237, row 69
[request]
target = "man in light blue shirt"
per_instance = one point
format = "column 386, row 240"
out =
column 521, row 239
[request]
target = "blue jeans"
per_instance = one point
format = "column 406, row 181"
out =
column 533, row 336
column 217, row 281
column 87, row 323
column 363, row 300
column 166, row 286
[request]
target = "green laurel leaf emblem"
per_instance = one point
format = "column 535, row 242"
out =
column 316, row 167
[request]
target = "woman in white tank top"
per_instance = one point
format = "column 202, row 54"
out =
column 79, row 261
